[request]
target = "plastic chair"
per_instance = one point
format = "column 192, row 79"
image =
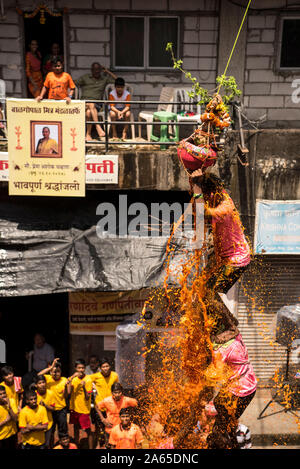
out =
column 2, row 102
column 166, row 95
column 107, row 91
column 188, row 105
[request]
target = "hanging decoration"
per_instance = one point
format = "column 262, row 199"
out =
column 42, row 9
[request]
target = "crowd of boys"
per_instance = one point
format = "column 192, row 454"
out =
column 41, row 415
column 53, row 411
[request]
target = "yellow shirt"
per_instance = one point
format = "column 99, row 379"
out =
column 11, row 392
column 10, row 428
column 78, row 402
column 48, row 399
column 58, row 389
column 35, row 416
column 103, row 385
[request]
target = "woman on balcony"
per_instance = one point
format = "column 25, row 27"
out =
column 33, row 69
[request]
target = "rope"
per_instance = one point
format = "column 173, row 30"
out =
column 235, row 42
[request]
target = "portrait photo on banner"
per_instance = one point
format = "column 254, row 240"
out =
column 46, row 139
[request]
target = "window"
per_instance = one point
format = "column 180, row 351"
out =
column 140, row 42
column 289, row 40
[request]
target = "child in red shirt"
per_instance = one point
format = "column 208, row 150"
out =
column 58, row 83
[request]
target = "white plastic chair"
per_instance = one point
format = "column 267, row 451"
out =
column 181, row 95
column 166, row 95
column 2, row 101
column 107, row 91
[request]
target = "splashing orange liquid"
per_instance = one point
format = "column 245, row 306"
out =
column 180, row 383
column 178, row 387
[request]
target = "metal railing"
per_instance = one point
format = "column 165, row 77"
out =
column 106, row 122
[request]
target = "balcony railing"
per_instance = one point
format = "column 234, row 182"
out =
column 106, row 122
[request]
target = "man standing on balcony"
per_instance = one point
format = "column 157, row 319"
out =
column 92, row 87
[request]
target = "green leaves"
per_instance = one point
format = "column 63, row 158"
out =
column 201, row 95
column 230, row 87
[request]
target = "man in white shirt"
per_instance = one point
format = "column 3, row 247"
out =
column 43, row 353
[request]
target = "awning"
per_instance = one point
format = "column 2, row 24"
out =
column 50, row 246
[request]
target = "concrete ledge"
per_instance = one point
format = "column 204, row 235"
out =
column 279, row 439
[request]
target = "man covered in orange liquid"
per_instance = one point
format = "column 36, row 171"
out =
column 232, row 250
column 112, row 405
column 126, row 435
column 234, row 396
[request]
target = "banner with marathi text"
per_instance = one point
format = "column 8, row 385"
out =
column 46, row 147
column 100, row 169
column 3, row 166
column 101, row 312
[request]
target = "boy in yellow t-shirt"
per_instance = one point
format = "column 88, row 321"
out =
column 102, row 381
column 58, row 385
column 8, row 382
column 80, row 388
column 8, row 419
column 46, row 398
column 33, row 423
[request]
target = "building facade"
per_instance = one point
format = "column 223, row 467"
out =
column 129, row 37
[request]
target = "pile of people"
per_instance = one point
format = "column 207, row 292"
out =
column 230, row 257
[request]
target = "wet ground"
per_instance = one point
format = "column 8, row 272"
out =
column 276, row 429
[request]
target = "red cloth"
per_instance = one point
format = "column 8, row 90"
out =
column 82, row 420
column 18, row 383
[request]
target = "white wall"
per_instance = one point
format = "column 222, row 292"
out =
column 88, row 29
column 266, row 91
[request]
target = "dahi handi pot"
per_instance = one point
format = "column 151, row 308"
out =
column 194, row 157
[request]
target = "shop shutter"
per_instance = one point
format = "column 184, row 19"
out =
column 270, row 283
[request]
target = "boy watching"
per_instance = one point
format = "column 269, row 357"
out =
column 126, row 435
column 65, row 443
column 119, row 111
column 80, row 388
column 9, row 382
column 58, row 385
column 58, row 84
column 93, row 366
column 8, row 421
column 112, row 405
column 33, row 422
column 102, row 381
column 46, row 398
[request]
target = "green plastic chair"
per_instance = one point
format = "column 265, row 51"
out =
column 165, row 116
